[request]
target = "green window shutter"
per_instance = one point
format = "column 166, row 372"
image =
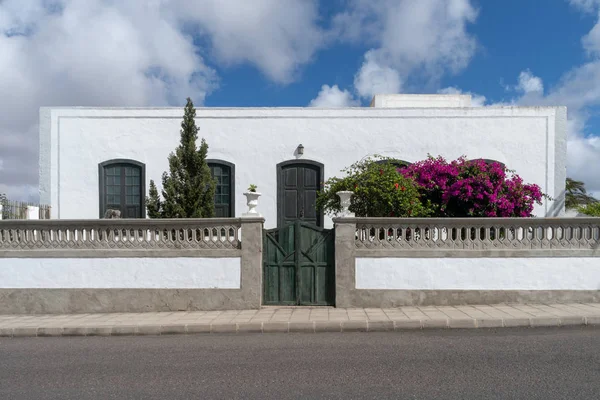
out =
column 122, row 187
column 224, row 174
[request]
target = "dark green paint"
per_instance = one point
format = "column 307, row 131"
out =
column 122, row 186
column 298, row 182
column 224, row 174
column 299, row 265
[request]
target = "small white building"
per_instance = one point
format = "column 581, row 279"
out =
column 92, row 159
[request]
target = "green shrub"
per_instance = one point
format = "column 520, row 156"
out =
column 379, row 191
column 592, row 209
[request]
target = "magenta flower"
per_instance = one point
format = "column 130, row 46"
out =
column 462, row 188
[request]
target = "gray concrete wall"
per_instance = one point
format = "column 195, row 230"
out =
column 67, row 301
column 40, row 295
column 395, row 272
column 557, row 268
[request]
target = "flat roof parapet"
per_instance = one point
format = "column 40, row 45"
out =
column 421, row 101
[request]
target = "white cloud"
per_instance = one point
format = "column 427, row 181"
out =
column 584, row 160
column 277, row 36
column 591, row 41
column 529, row 87
column 374, row 77
column 529, row 83
column 332, row 96
column 588, row 6
column 85, row 53
column 579, row 90
column 411, row 39
column 137, row 53
column 477, row 100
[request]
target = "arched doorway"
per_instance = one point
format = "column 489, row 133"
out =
column 298, row 182
column 298, row 255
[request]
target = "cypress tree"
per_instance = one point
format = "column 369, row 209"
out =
column 188, row 189
column 153, row 203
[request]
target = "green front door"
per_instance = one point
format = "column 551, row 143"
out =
column 298, row 183
column 299, row 265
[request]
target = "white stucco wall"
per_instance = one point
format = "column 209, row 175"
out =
column 478, row 273
column 574, row 213
column 420, row 100
column 73, row 141
column 120, row 273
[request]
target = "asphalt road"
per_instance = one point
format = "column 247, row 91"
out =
column 556, row 363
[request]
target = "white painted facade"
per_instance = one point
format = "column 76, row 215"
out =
column 74, row 141
column 574, row 213
column 507, row 273
column 120, row 273
column 421, row 101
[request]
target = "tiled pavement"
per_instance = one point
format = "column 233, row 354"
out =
column 300, row 319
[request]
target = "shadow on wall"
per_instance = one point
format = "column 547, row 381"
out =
column 558, row 205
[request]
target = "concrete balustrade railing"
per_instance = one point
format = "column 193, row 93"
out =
column 464, row 234
column 122, row 234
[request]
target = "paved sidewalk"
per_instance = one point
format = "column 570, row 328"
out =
column 300, row 319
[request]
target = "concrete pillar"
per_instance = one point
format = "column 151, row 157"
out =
column 345, row 280
column 33, row 212
column 252, row 259
column 1, row 209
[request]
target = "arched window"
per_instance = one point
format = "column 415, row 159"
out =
column 224, row 174
column 123, row 187
column 395, row 162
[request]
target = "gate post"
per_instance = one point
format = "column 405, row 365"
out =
column 345, row 281
column 252, row 252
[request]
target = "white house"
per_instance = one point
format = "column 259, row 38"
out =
column 97, row 158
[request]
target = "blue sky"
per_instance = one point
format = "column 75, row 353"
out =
column 513, row 35
column 269, row 53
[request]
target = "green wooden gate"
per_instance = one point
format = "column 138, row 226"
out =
column 299, row 267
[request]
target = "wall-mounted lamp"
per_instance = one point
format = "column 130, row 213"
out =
column 300, row 149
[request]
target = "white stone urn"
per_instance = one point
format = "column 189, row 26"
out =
column 251, row 202
column 33, row 212
column 345, row 201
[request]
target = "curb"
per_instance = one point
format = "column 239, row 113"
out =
column 298, row 327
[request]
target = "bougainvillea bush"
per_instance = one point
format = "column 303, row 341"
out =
column 474, row 188
column 379, row 191
column 432, row 188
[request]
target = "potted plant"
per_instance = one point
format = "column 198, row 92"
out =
column 252, row 201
